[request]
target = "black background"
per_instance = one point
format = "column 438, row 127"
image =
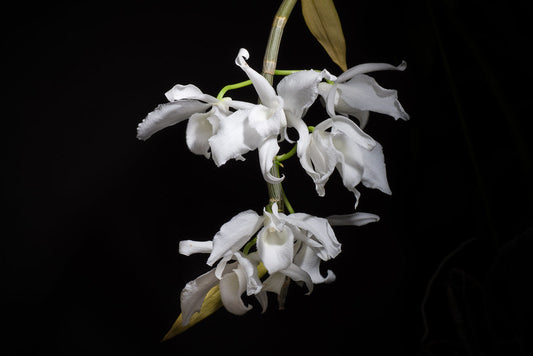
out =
column 94, row 216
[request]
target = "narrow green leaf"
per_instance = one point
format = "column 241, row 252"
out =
column 323, row 21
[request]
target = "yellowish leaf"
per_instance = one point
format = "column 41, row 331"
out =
column 323, row 21
column 212, row 302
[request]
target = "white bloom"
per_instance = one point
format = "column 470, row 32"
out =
column 255, row 127
column 355, row 93
column 357, row 157
column 287, row 245
column 203, row 111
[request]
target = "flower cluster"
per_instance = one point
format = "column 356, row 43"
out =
column 287, row 246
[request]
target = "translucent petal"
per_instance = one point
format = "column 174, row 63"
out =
column 167, row 115
column 189, row 247
column 234, row 234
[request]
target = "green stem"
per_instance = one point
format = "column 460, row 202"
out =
column 233, row 86
column 287, row 155
column 269, row 69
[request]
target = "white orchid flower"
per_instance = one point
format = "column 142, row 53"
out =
column 356, row 155
column 203, row 111
column 287, row 245
column 355, row 93
column 256, row 127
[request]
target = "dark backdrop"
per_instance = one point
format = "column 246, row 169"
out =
column 94, row 216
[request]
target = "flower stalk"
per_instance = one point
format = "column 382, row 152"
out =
column 275, row 190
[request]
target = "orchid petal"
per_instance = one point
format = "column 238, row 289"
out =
column 167, row 115
column 189, row 247
column 299, row 91
column 367, row 68
column 364, row 93
column 200, row 128
column 275, row 248
column 357, row 219
column 264, row 90
column 319, row 158
column 232, row 286
column 265, row 121
column 262, row 298
column 352, row 131
column 375, row 174
column 234, row 234
column 274, row 283
column 253, row 283
column 307, row 260
column 297, row 274
column 232, row 138
column 192, row 296
column 189, row 91
column 267, row 152
column 320, row 230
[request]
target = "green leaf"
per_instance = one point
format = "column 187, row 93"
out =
column 323, row 21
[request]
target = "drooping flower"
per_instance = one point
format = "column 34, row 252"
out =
column 355, row 93
column 356, row 155
column 287, row 246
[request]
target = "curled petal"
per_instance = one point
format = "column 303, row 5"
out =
column 363, row 93
column 318, row 229
column 357, row 219
column 368, row 67
column 267, row 151
column 264, row 90
column 352, row 131
column 234, row 234
column 307, row 260
column 297, row 274
column 232, row 286
column 181, row 92
column 200, row 128
column 320, row 156
column 167, row 115
column 253, row 283
column 189, row 247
